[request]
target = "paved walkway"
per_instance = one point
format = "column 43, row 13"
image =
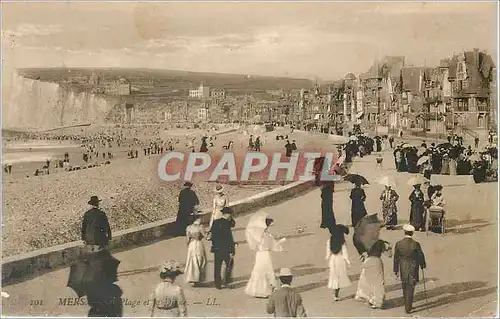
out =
column 461, row 279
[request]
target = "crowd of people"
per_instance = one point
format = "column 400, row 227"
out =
column 282, row 300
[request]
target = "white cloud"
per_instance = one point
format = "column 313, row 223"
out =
column 27, row 30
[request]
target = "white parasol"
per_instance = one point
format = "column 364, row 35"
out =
column 387, row 181
column 353, row 138
column 417, row 180
column 422, row 160
column 255, row 229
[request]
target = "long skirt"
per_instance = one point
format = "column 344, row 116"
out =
column 389, row 213
column 417, row 218
column 371, row 282
column 453, row 167
column 196, row 264
column 262, row 280
column 358, row 211
column 338, row 277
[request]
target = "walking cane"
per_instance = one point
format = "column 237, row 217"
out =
column 425, row 289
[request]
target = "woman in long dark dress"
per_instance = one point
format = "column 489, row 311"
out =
column 327, row 215
column 187, row 201
column 417, row 209
column 358, row 209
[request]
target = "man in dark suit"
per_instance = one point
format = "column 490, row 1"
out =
column 95, row 226
column 285, row 301
column 223, row 246
column 408, row 258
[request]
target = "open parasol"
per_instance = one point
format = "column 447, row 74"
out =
column 356, row 179
column 353, row 138
column 367, row 232
column 92, row 271
column 417, row 180
column 422, row 160
column 387, row 181
column 255, row 229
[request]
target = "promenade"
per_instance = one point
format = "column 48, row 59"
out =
column 461, row 278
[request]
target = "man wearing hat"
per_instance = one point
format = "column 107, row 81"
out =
column 223, row 247
column 408, row 258
column 95, row 226
column 285, row 301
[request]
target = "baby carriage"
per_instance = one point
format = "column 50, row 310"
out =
column 436, row 219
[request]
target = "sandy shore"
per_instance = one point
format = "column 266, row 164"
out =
column 45, row 211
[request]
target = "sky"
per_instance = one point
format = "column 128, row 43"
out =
column 326, row 40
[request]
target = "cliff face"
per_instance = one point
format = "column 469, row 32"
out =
column 36, row 104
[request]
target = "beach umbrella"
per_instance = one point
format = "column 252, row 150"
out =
column 387, row 181
column 422, row 160
column 367, row 231
column 356, row 179
column 417, row 180
column 91, row 271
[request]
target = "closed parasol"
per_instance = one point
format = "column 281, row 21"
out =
column 91, row 271
column 387, row 181
column 417, row 180
column 422, row 160
column 367, row 232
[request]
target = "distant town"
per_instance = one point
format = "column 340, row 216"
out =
column 458, row 94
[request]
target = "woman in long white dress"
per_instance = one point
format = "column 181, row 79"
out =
column 196, row 263
column 338, row 260
column 220, row 201
column 263, row 279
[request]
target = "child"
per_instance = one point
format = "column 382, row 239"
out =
column 379, row 159
column 336, row 254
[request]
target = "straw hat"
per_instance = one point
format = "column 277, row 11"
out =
column 170, row 267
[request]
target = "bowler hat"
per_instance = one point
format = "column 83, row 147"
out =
column 94, row 200
column 188, row 184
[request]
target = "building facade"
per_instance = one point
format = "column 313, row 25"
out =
column 470, row 75
column 200, row 93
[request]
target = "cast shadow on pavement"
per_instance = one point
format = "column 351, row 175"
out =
column 297, row 271
column 292, row 236
column 455, row 292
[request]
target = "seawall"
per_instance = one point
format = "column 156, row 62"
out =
column 25, row 266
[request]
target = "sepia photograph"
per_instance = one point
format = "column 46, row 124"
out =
column 249, row 159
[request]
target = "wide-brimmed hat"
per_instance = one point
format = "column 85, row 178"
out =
column 94, row 200
column 171, row 267
column 219, row 189
column 187, row 184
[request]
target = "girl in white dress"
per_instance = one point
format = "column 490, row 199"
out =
column 220, row 201
column 338, row 260
column 262, row 280
column 196, row 262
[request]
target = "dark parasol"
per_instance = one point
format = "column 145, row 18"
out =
column 356, row 179
column 366, row 233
